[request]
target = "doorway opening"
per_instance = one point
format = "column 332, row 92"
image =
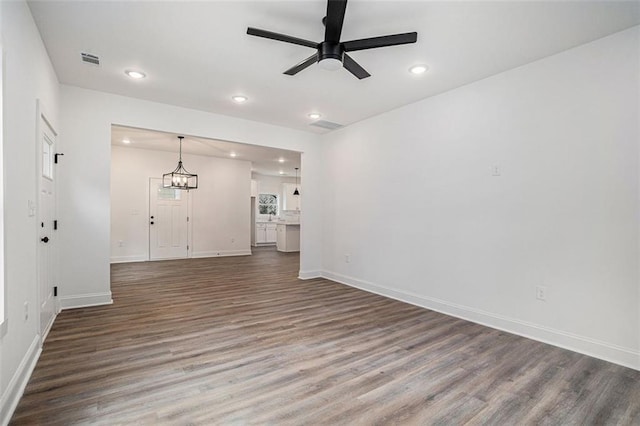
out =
column 221, row 217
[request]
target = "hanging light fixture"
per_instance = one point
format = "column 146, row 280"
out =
column 180, row 178
column 296, row 192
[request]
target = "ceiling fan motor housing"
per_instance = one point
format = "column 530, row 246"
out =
column 330, row 55
column 329, row 50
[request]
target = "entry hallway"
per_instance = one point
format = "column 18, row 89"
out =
column 242, row 341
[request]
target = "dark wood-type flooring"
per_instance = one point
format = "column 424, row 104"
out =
column 243, row 341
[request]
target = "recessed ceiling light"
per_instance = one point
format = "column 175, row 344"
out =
column 280, row 160
column 126, row 141
column 233, row 154
column 239, row 99
column 314, row 115
column 281, row 172
column 418, row 69
column 135, row 74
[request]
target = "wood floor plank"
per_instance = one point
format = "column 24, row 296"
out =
column 243, row 341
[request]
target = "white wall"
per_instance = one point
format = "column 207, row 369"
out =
column 86, row 119
column 221, row 206
column 411, row 197
column 28, row 76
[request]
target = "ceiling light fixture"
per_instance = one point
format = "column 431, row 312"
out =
column 239, row 99
column 135, row 74
column 418, row 69
column 330, row 64
column 281, row 172
column 126, row 141
column 314, row 115
column 180, row 178
column 280, row 160
column 296, row 192
column 233, row 154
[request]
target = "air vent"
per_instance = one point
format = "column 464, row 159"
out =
column 90, row 59
column 326, row 124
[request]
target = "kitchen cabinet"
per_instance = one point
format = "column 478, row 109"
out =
column 266, row 232
column 290, row 201
column 288, row 237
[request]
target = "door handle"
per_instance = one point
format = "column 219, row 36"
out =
column 152, row 222
column 45, row 239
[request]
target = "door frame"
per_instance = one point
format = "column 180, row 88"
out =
column 189, row 223
column 43, row 118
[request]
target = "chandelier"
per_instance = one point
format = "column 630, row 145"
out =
column 180, row 178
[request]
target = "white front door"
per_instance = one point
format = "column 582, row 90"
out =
column 168, row 222
column 46, row 208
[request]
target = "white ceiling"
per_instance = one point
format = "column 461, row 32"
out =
column 197, row 54
column 265, row 161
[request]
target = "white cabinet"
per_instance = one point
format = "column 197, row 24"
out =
column 266, row 233
column 288, row 237
column 290, row 201
column 271, row 232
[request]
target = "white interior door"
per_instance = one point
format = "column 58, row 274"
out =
column 168, row 222
column 46, row 208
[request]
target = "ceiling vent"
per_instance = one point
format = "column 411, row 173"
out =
column 90, row 59
column 326, row 124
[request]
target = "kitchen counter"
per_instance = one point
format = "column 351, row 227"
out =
column 288, row 238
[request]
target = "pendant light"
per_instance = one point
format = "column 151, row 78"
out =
column 296, row 192
column 180, row 178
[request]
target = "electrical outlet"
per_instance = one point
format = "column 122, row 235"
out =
column 120, row 243
column 233, row 240
column 495, row 171
column 26, row 311
column 541, row 293
column 347, row 258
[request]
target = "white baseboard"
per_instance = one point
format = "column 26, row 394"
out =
column 308, row 275
column 48, row 327
column 220, row 253
column 85, row 300
column 18, row 382
column 127, row 259
column 626, row 357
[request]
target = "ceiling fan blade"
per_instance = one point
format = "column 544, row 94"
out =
column 354, row 68
column 281, row 37
column 334, row 20
column 302, row 65
column 382, row 41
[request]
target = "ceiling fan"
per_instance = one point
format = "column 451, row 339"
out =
column 332, row 53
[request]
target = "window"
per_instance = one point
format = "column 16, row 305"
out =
column 268, row 204
column 47, row 157
column 168, row 193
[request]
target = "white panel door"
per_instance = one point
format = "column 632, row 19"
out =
column 46, row 207
column 168, row 222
